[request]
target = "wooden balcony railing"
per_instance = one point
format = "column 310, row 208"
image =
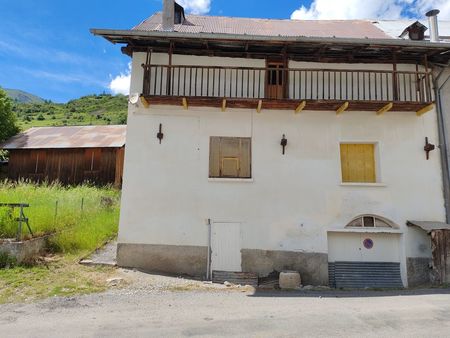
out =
column 408, row 90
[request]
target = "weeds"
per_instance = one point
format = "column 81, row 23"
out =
column 81, row 218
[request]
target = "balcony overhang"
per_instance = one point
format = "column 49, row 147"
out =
column 338, row 106
column 311, row 49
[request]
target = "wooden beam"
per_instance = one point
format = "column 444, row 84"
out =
column 224, row 104
column 300, row 107
column 185, row 103
column 385, row 109
column 145, row 102
column 425, row 109
column 258, row 109
column 342, row 108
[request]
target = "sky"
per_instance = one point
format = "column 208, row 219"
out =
column 46, row 47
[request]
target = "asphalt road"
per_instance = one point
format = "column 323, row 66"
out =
column 141, row 312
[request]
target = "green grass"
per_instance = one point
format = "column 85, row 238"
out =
column 62, row 277
column 80, row 218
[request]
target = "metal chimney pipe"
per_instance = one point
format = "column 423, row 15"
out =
column 433, row 23
column 168, row 15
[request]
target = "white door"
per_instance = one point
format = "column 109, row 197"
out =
column 226, row 247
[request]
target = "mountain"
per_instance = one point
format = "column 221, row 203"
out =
column 86, row 110
column 23, row 97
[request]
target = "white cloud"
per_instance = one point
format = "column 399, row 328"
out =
column 196, row 6
column 373, row 9
column 121, row 83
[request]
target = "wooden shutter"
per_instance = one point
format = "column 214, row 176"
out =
column 230, row 157
column 358, row 163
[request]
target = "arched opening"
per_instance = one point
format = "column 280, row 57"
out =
column 370, row 221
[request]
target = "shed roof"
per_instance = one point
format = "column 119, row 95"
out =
column 362, row 29
column 429, row 226
column 68, row 137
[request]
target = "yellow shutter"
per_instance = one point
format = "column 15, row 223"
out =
column 358, row 163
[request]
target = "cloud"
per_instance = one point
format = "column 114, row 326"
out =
column 373, row 9
column 121, row 83
column 196, row 6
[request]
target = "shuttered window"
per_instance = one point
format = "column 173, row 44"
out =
column 230, row 157
column 358, row 163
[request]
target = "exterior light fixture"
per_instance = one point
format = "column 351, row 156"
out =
column 284, row 143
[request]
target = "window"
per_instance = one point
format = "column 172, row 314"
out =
column 230, row 157
column 358, row 163
column 370, row 221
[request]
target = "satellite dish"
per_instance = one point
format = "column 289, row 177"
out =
column 134, row 98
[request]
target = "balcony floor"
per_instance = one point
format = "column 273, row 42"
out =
column 287, row 104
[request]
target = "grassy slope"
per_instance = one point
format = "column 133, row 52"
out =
column 87, row 110
column 23, row 97
column 83, row 220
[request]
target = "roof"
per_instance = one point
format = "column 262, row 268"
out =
column 362, row 29
column 394, row 28
column 68, row 137
column 429, row 226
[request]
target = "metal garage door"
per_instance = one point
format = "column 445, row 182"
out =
column 360, row 260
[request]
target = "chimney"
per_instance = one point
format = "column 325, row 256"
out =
column 433, row 23
column 168, row 15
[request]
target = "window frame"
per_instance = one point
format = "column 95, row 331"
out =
column 221, row 159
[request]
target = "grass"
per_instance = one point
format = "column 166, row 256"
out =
column 63, row 277
column 81, row 218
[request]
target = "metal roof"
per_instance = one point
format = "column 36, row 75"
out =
column 362, row 29
column 68, row 137
column 429, row 226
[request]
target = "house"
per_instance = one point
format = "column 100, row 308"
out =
column 266, row 145
column 70, row 155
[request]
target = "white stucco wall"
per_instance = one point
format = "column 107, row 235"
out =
column 292, row 200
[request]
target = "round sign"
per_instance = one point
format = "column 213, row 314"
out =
column 368, row 243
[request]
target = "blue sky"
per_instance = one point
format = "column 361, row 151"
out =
column 46, row 47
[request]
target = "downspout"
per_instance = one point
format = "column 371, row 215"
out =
column 442, row 132
column 208, row 259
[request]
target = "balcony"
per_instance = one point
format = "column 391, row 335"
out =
column 287, row 88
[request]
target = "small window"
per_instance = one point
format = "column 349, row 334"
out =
column 358, row 163
column 370, row 221
column 230, row 157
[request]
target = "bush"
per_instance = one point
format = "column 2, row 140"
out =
column 40, row 117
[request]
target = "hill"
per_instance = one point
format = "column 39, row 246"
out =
column 87, row 110
column 23, row 97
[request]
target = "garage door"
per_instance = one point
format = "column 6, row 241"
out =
column 361, row 260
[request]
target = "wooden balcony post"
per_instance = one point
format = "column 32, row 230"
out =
column 394, row 79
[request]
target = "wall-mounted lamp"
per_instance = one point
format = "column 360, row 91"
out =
column 160, row 134
column 284, row 143
column 428, row 147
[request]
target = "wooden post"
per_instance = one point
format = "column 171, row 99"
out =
column 169, row 71
column 394, row 78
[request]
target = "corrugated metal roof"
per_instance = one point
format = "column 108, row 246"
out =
column 429, row 226
column 269, row 27
column 68, row 137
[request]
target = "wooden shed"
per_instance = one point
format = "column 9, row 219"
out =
column 70, row 155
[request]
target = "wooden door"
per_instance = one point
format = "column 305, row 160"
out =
column 275, row 80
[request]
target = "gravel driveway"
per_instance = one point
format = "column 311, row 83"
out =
column 156, row 306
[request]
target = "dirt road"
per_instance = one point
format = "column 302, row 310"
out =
column 165, row 307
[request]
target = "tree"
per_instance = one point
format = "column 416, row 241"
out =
column 8, row 123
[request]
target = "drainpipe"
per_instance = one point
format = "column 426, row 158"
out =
column 208, row 262
column 442, row 131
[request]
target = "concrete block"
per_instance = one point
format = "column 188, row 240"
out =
column 289, row 280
